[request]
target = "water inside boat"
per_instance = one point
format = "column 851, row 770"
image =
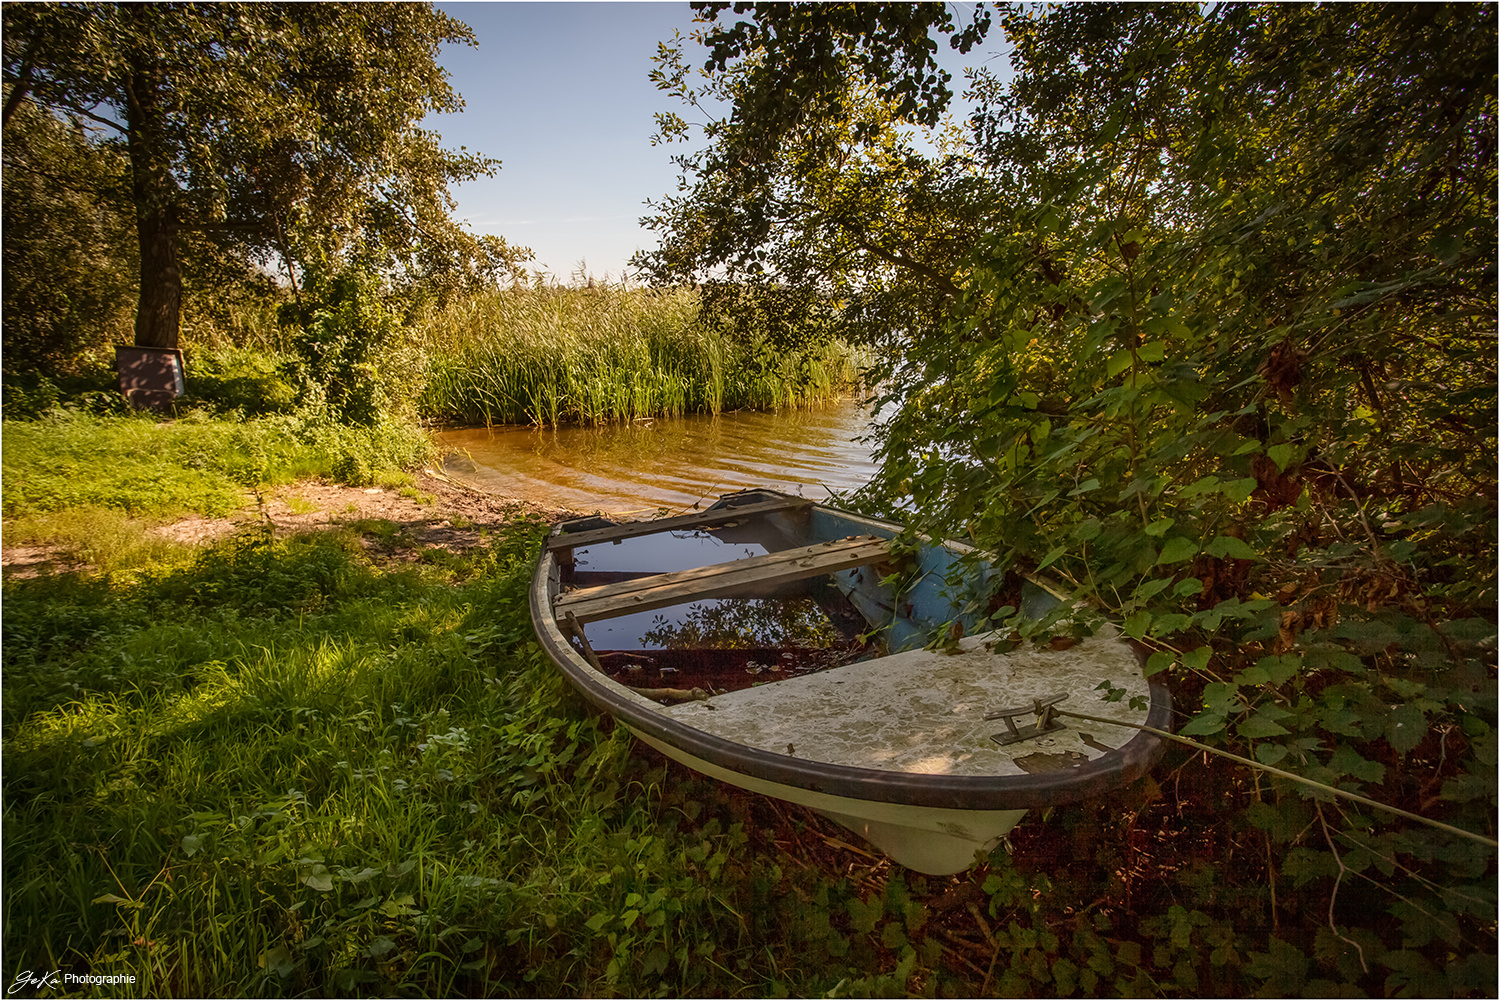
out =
column 716, row 644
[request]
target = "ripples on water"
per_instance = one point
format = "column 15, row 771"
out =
column 669, row 462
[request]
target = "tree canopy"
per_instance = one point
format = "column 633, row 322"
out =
column 809, row 190
column 285, row 131
column 1196, row 316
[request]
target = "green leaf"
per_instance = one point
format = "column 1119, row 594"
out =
column 1206, row 485
column 318, row 878
column 382, row 945
column 1270, row 754
column 1280, row 668
column 1204, row 725
column 1159, row 661
column 1221, row 697
column 1088, row 529
column 1229, row 546
column 1252, row 675
column 1176, row 549
column 1239, row 491
column 1258, row 727
column 1152, row 351
column 1405, row 728
column 1151, row 588
column 1052, row 557
column 1187, row 587
column 278, row 960
column 1346, row 760
column 1282, row 454
column 1197, row 660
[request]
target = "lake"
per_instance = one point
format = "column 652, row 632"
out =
column 668, row 462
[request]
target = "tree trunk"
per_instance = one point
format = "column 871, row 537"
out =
column 156, row 318
column 155, row 192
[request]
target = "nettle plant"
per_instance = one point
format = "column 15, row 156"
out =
column 1223, row 373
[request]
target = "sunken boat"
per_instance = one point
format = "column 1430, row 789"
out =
column 827, row 659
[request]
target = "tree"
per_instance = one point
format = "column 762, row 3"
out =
column 1219, row 355
column 809, row 202
column 67, row 254
column 273, row 128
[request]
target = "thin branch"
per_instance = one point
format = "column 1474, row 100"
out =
column 1334, row 896
column 74, row 109
column 226, row 226
column 1292, row 776
column 21, row 86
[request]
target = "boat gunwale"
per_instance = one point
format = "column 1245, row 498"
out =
column 1110, row 771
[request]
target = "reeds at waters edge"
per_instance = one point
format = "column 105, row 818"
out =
column 550, row 355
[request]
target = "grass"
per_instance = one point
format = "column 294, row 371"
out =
column 285, row 769
column 97, row 485
column 107, row 539
column 142, row 465
column 281, row 770
column 612, row 353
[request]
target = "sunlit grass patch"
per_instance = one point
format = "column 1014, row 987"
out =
column 393, row 479
column 300, row 505
column 198, row 464
column 106, row 539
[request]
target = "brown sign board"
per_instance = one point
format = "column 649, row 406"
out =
column 149, row 377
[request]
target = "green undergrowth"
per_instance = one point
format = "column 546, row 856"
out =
column 147, row 466
column 287, row 768
column 283, row 771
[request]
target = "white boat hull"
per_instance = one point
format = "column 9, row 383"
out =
column 896, row 748
column 926, row 839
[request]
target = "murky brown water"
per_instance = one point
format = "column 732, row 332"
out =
column 671, row 463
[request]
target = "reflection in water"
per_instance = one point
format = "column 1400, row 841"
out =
column 744, row 623
column 670, row 462
column 723, row 645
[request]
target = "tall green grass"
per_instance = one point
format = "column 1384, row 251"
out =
column 198, row 463
column 282, row 771
column 551, row 355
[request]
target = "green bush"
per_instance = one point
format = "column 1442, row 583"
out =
column 250, row 381
column 346, row 332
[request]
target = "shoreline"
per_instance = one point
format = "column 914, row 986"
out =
column 453, row 519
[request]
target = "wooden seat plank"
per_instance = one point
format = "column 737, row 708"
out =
column 721, row 579
column 702, row 519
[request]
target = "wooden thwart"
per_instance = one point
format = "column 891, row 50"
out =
column 702, row 519
column 720, row 580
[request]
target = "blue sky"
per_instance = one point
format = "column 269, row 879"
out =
column 559, row 92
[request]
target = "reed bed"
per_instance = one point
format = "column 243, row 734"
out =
column 549, row 356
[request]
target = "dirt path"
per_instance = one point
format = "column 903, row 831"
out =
column 452, row 519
